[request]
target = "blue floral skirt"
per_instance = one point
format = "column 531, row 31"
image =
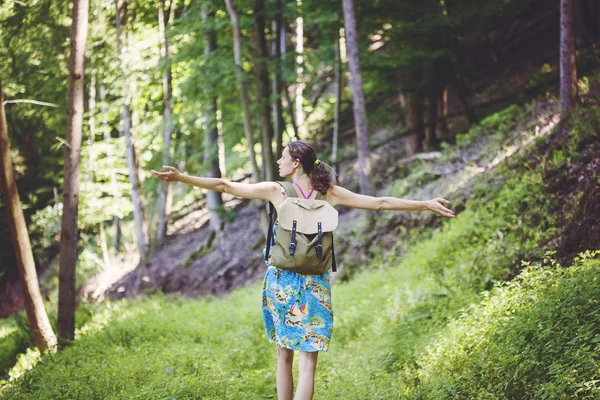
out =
column 297, row 309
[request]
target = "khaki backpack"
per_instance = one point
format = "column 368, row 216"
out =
column 304, row 242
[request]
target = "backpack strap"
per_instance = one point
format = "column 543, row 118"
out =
column 290, row 191
column 289, row 188
column 269, row 232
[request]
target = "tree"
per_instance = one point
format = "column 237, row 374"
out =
column 278, row 45
column 165, row 53
column 568, row 67
column 263, row 92
column 42, row 333
column 68, row 233
column 237, row 55
column 338, row 99
column 211, row 135
column 136, row 196
column 358, row 100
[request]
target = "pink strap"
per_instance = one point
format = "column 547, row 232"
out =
column 301, row 191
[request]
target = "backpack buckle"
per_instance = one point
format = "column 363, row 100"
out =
column 293, row 242
column 318, row 246
column 319, row 249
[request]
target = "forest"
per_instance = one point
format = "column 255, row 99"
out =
column 115, row 284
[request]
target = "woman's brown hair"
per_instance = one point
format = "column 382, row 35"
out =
column 320, row 174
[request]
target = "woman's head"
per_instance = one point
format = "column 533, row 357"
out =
column 304, row 155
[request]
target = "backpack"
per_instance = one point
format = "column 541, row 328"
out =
column 304, row 242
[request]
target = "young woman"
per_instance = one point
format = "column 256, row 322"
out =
column 297, row 309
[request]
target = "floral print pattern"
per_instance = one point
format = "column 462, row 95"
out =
column 297, row 310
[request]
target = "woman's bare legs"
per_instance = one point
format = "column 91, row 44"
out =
column 284, row 378
column 306, row 375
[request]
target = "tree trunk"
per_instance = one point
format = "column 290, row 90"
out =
column 237, row 55
column 336, row 115
column 211, row 135
column 92, row 124
column 165, row 54
column 109, row 156
column 414, row 122
column 279, row 33
column 39, row 324
column 568, row 68
column 444, row 132
column 68, row 232
column 180, row 187
column 263, row 92
column 299, row 99
column 431, row 140
column 358, row 100
column 136, row 198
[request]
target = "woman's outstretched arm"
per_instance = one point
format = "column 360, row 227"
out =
column 262, row 190
column 337, row 195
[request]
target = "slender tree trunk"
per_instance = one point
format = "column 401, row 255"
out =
column 165, row 53
column 290, row 107
column 286, row 93
column 431, row 140
column 279, row 124
column 414, row 122
column 109, row 156
column 104, row 246
column 336, row 114
column 92, row 124
column 136, row 197
column 299, row 99
column 360, row 114
column 444, row 132
column 237, row 54
column 180, row 187
column 263, row 92
column 211, row 135
column 221, row 143
column 39, row 324
column 568, row 68
column 68, row 232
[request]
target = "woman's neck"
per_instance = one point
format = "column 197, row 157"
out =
column 301, row 178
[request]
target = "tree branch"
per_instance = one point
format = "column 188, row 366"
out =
column 39, row 103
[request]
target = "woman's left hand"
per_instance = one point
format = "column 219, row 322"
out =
column 436, row 206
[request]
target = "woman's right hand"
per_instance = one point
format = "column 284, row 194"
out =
column 172, row 174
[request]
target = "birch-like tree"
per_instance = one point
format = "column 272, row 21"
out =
column 358, row 101
column 39, row 324
column 136, row 195
column 68, row 232
column 263, row 92
column 214, row 199
column 167, row 85
column 278, row 44
column 237, row 56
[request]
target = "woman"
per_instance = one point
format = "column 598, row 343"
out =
column 297, row 308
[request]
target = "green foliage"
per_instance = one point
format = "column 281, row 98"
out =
column 534, row 337
column 15, row 338
column 499, row 125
